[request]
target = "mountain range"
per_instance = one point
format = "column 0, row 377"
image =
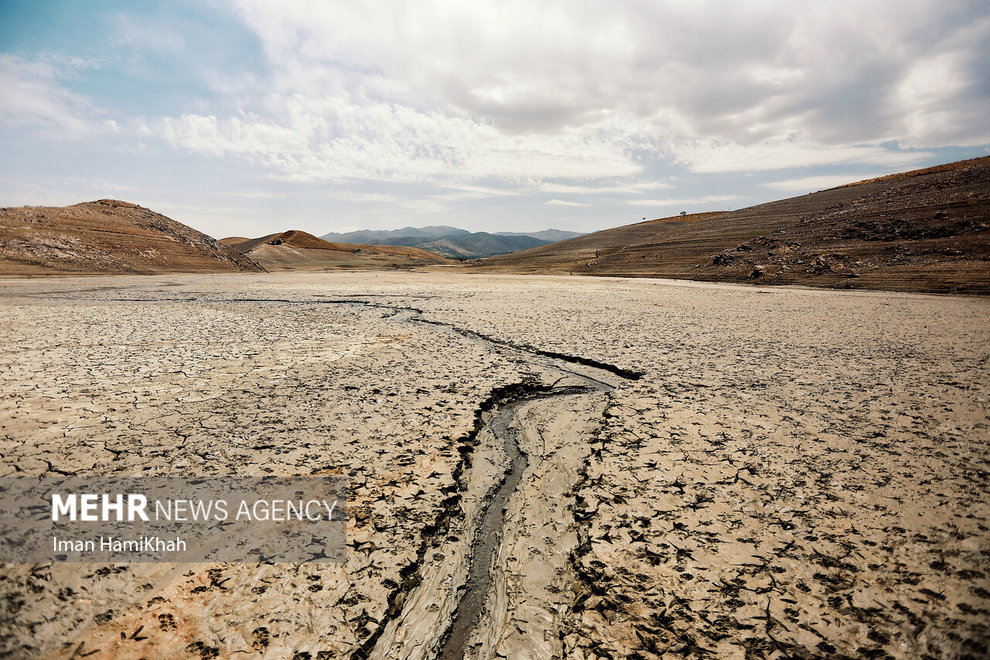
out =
column 453, row 242
column 924, row 230
column 297, row 250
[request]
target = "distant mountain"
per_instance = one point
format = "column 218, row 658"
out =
column 454, row 242
column 548, row 235
column 391, row 236
column 480, row 244
column 297, row 250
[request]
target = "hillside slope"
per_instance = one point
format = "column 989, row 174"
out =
column 107, row 236
column 480, row 244
column 453, row 242
column 394, row 236
column 923, row 233
column 298, row 250
column 927, row 230
column 549, row 235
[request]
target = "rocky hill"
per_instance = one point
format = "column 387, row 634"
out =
column 394, row 236
column 453, row 242
column 107, row 236
column 298, row 250
column 479, row 244
column 925, row 230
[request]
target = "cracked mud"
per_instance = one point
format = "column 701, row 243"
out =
column 796, row 473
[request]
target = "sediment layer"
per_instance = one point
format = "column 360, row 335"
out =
column 795, row 473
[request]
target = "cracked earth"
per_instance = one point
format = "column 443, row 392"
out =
column 796, row 473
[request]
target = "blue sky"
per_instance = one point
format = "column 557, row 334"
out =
column 245, row 118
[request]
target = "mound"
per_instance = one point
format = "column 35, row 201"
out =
column 298, row 250
column 480, row 244
column 107, row 236
column 926, row 230
column 453, row 242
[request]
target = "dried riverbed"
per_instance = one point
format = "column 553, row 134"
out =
column 796, row 473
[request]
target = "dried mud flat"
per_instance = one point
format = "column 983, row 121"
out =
column 793, row 473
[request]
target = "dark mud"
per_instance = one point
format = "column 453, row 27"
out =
column 489, row 535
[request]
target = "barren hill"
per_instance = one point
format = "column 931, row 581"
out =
column 107, row 236
column 926, row 230
column 479, row 244
column 298, row 250
column 453, row 242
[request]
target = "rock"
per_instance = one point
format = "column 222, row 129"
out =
column 820, row 265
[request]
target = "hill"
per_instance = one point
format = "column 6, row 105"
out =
column 387, row 236
column 925, row 230
column 479, row 244
column 452, row 242
column 549, row 235
column 107, row 236
column 298, row 250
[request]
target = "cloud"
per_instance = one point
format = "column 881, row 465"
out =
column 373, row 198
column 62, row 190
column 697, row 201
column 632, row 188
column 457, row 105
column 831, row 72
column 560, row 202
column 566, row 94
column 33, row 97
column 823, row 182
column 928, row 120
column 711, row 156
column 483, row 191
column 342, row 137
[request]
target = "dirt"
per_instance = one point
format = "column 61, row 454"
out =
column 927, row 230
column 924, row 231
column 796, row 473
column 927, row 233
column 298, row 250
column 107, row 236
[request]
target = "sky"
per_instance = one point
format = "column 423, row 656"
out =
column 243, row 118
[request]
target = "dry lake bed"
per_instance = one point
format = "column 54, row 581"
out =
column 538, row 467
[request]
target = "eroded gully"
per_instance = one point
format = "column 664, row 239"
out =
column 473, row 630
column 470, row 629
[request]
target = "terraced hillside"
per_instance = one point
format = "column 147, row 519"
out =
column 298, row 250
column 107, row 236
column 927, row 230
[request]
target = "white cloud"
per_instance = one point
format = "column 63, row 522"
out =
column 451, row 105
column 33, row 97
column 662, row 203
column 433, row 91
column 927, row 119
column 339, row 138
column 62, row 191
column 815, row 183
column 629, row 188
column 712, row 156
column 480, row 192
column 561, row 202
column 372, row 198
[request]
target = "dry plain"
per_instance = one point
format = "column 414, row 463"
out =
column 707, row 470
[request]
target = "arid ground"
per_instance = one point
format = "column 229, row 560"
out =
column 703, row 470
column 922, row 231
